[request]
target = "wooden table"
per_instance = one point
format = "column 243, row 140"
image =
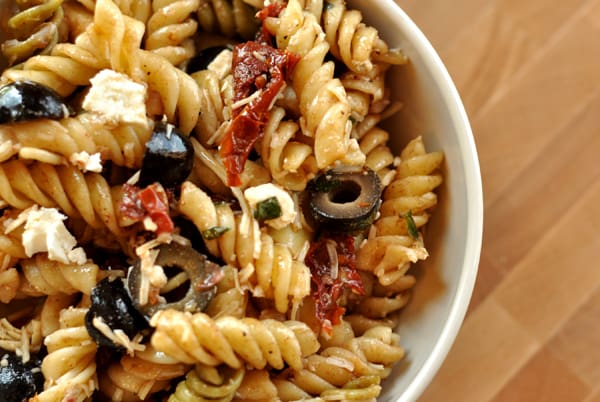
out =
column 529, row 75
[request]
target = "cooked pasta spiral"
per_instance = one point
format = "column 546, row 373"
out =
column 57, row 142
column 70, row 366
column 322, row 99
column 198, row 338
column 365, row 94
column 379, row 157
column 390, row 252
column 87, row 196
column 109, row 42
column 138, row 9
column 355, row 43
column 52, row 277
column 353, row 368
column 216, row 98
column 205, row 384
column 137, row 377
column 228, row 17
column 178, row 92
column 36, row 28
column 291, row 162
column 379, row 304
column 277, row 275
column 170, row 29
column 235, row 245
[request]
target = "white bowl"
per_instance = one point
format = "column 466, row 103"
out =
column 433, row 109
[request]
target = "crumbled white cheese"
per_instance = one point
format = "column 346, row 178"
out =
column 118, row 336
column 114, row 98
column 45, row 231
column 254, row 195
column 86, row 162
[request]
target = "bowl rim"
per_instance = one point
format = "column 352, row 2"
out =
column 474, row 236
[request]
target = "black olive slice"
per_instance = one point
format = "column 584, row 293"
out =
column 204, row 57
column 344, row 200
column 27, row 100
column 195, row 281
column 169, row 157
column 112, row 305
column 19, row 381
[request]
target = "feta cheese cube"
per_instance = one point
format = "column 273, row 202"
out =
column 114, row 98
column 45, row 231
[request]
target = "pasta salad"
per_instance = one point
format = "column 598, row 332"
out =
column 199, row 202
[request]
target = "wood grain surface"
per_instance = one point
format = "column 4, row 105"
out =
column 529, row 74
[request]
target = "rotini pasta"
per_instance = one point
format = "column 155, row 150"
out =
column 322, row 99
column 140, row 376
column 355, row 43
column 53, row 277
column 390, row 252
column 216, row 214
column 199, row 339
column 70, row 366
column 107, row 43
column 216, row 98
column 291, row 162
column 205, row 383
column 57, row 141
column 87, row 196
column 228, row 17
column 170, row 29
column 138, row 9
column 35, row 29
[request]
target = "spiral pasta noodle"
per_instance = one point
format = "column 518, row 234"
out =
column 178, row 92
column 355, row 43
column 197, row 338
column 228, row 17
column 35, row 29
column 52, row 277
column 215, row 98
column 291, row 162
column 107, row 43
column 57, row 141
column 169, row 29
column 379, row 157
column 390, row 252
column 138, row 9
column 87, row 196
column 366, row 94
column 205, row 384
column 70, row 365
column 235, row 245
column 138, row 377
column 322, row 98
column 278, row 275
column 352, row 369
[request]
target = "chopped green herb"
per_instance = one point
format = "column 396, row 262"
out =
column 267, row 209
column 323, row 184
column 214, row 232
column 410, row 224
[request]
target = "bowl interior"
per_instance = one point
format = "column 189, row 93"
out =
column 433, row 109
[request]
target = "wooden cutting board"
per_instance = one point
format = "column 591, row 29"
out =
column 529, row 74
